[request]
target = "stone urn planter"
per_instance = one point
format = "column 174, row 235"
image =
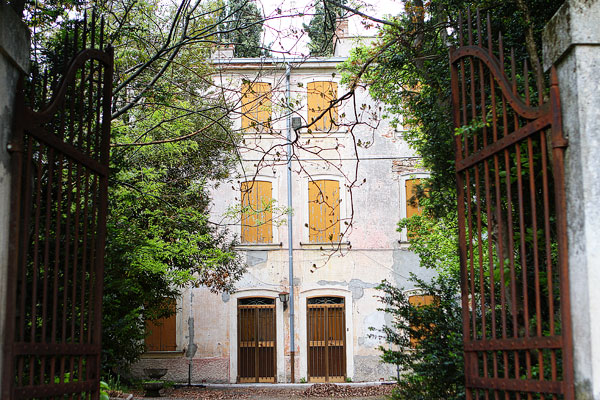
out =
column 153, row 386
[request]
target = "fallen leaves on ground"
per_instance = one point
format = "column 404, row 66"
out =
column 333, row 390
column 325, row 390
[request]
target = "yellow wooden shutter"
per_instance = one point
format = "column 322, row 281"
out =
column 324, row 211
column 420, row 300
column 256, row 106
column 256, row 219
column 162, row 332
column 412, row 203
column 319, row 97
column 263, row 200
column 332, row 190
column 313, row 211
column 248, row 214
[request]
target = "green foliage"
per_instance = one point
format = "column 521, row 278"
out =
column 321, row 28
column 243, row 27
column 279, row 213
column 104, row 388
column 433, row 365
column 159, row 237
column 408, row 71
column 435, row 240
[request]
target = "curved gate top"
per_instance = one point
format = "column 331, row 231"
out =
column 512, row 226
column 59, row 158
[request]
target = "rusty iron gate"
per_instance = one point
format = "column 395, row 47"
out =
column 58, row 223
column 326, row 339
column 511, row 215
column 257, row 344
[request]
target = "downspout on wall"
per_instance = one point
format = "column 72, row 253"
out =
column 288, row 71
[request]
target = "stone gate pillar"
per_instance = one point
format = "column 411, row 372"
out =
column 14, row 60
column 571, row 42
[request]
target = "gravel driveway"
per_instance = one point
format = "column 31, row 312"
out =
column 276, row 392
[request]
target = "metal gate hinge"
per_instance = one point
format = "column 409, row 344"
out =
column 14, row 147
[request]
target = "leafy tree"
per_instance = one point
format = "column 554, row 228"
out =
column 408, row 70
column 427, row 340
column 322, row 26
column 159, row 235
column 169, row 146
column 243, row 28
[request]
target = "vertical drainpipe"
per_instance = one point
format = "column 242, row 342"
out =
column 288, row 70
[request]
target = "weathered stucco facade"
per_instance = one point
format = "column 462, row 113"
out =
column 372, row 196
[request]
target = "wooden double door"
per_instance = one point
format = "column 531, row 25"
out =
column 326, row 339
column 257, row 343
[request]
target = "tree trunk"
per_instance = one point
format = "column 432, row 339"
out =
column 529, row 38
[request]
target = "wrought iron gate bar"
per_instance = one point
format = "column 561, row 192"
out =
column 48, row 111
column 497, row 71
column 507, row 141
column 68, row 150
column 516, row 385
column 59, row 200
column 522, row 343
column 512, row 225
column 38, row 391
column 55, row 349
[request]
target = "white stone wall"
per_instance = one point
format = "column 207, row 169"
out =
column 571, row 43
column 371, row 250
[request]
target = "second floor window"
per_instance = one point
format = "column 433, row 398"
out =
column 413, row 186
column 412, row 198
column 257, row 200
column 256, row 106
column 324, row 211
column 320, row 96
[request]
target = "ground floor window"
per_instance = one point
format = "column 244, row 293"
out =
column 256, row 340
column 162, row 332
column 326, row 339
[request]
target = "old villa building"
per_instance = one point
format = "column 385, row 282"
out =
column 351, row 175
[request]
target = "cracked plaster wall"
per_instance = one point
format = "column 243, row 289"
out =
column 373, row 254
column 206, row 315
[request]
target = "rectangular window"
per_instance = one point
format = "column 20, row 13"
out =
column 257, row 226
column 420, row 300
column 320, row 96
column 161, row 332
column 412, row 200
column 324, row 211
column 256, row 106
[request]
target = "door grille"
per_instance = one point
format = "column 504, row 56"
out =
column 326, row 339
column 257, row 342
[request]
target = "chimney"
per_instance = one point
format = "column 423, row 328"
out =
column 340, row 38
column 223, row 51
column 341, row 31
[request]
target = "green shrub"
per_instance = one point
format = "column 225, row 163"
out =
column 104, row 388
column 432, row 365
